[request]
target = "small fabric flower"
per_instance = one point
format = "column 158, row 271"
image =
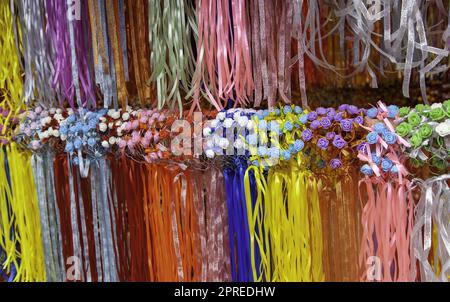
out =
column 209, row 153
column 362, row 147
column 437, row 114
column 252, row 139
column 376, row 159
column 335, row 163
column 321, row 111
column 274, row 152
column 323, row 143
column 394, row 169
column 352, row 109
column 443, row 129
column 325, row 122
column 338, row 117
column 392, row 111
column 288, row 126
column 287, row 109
column 414, row 119
column 312, row 115
column 404, row 111
column 228, row 123
column 307, row 135
column 372, row 112
column 359, row 120
column 390, row 137
column 403, row 129
column 346, row 125
column 314, row 124
column 379, row 128
column 386, row 164
column 343, row 107
column 298, row 145
column 330, row 135
column 339, row 142
column 331, row 114
column 286, row 155
column 425, row 131
column 372, row 138
column 262, row 125
column 416, row 140
column 366, row 170
column 303, row 118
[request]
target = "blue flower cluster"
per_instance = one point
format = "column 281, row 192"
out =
column 380, row 131
column 80, row 131
column 392, row 112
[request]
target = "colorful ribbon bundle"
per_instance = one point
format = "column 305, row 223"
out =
column 189, row 141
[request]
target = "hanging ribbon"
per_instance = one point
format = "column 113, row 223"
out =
column 341, row 226
column 38, row 56
column 291, row 247
column 49, row 213
column 431, row 230
column 171, row 25
column 20, row 228
column 239, row 227
column 11, row 83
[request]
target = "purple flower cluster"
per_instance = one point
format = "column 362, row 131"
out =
column 322, row 124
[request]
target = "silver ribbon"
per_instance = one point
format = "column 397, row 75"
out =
column 37, row 52
column 74, row 218
column 433, row 208
column 42, row 164
column 104, row 223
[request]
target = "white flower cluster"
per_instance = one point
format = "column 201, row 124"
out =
column 228, row 129
column 36, row 126
column 115, row 119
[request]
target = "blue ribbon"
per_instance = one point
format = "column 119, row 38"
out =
column 239, row 235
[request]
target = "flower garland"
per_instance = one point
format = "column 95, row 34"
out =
column 285, row 151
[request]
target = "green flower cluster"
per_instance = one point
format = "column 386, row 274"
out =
column 417, row 125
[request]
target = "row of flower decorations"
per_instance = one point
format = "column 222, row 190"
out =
column 329, row 137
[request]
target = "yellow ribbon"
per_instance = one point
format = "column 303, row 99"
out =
column 10, row 71
column 285, row 223
column 19, row 210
